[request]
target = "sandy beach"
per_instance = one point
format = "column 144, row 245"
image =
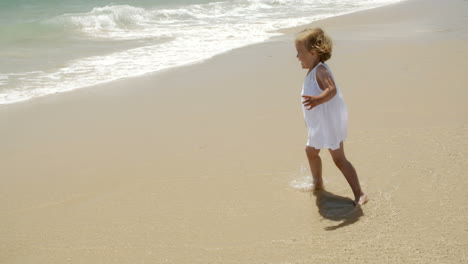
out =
column 198, row 164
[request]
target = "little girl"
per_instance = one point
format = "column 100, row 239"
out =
column 324, row 109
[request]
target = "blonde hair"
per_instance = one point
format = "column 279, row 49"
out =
column 316, row 39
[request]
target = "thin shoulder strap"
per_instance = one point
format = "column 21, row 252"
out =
column 314, row 71
column 329, row 70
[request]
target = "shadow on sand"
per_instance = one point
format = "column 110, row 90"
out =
column 337, row 208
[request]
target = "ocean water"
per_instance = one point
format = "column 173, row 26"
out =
column 53, row 46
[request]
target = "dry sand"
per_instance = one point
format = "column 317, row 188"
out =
column 195, row 165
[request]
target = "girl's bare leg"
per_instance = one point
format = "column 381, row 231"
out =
column 350, row 174
column 315, row 164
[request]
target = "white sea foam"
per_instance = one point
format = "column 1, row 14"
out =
column 3, row 79
column 112, row 22
column 165, row 38
column 302, row 180
column 304, row 184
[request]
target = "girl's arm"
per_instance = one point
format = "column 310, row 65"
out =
column 326, row 84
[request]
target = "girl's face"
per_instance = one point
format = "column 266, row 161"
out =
column 308, row 58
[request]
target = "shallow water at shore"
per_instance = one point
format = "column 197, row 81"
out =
column 51, row 47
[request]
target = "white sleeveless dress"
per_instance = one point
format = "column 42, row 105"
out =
column 327, row 123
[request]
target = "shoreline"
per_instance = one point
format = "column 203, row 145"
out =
column 195, row 165
column 284, row 35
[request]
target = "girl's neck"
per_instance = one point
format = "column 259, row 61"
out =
column 312, row 66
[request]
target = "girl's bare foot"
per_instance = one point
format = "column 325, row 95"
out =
column 361, row 200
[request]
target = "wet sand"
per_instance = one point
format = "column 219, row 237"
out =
column 195, row 164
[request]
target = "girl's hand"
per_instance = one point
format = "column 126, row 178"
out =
column 310, row 101
column 327, row 94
